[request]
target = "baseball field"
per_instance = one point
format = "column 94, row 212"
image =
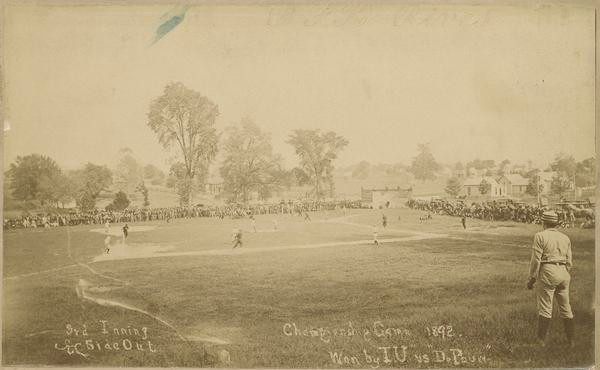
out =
column 298, row 293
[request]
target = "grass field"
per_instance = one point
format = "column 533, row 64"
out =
column 309, row 294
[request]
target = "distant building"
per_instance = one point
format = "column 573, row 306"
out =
column 471, row 187
column 513, row 184
column 214, row 183
column 214, row 188
column 385, row 197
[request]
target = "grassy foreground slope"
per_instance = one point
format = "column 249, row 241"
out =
column 454, row 299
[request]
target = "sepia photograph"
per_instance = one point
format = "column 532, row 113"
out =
column 342, row 185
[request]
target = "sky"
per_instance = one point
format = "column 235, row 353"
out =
column 472, row 81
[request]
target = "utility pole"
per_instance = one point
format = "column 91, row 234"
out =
column 539, row 189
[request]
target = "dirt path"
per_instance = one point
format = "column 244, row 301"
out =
column 151, row 252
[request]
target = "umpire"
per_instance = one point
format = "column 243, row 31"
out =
column 549, row 267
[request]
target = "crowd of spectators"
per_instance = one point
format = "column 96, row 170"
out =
column 568, row 215
column 99, row 216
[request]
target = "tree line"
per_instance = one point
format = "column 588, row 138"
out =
column 184, row 121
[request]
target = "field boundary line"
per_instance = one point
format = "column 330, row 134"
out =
column 422, row 233
column 39, row 272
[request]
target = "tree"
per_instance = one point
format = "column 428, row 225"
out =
column 362, row 170
column 119, row 203
column 484, row 187
column 129, row 173
column 479, row 164
column 32, row 177
column 424, row 165
column 564, row 164
column 184, row 118
column 141, row 188
column 249, row 164
column 560, row 184
column 317, row 151
column 300, row 178
column 534, row 187
column 183, row 184
column 88, row 183
column 154, row 174
column 585, row 172
column 502, row 168
column 453, row 186
column 56, row 188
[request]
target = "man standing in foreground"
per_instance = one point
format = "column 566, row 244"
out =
column 549, row 267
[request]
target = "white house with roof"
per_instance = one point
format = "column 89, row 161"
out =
column 513, row 184
column 471, row 187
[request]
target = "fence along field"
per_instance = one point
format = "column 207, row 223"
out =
column 311, row 294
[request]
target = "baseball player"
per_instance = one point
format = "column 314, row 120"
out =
column 107, row 244
column 549, row 268
column 125, row 232
column 375, row 232
column 237, row 238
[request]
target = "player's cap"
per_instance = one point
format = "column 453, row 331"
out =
column 550, row 217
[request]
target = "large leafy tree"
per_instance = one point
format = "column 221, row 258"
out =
column 585, row 172
column 565, row 166
column 34, row 178
column 184, row 118
column 89, row 182
column 484, row 187
column 317, row 150
column 56, row 188
column 249, row 164
column 560, row 184
column 119, row 203
column 453, row 186
column 424, row 166
column 129, row 173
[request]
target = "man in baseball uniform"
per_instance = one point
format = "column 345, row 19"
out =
column 549, row 268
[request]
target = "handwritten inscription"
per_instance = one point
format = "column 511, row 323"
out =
column 378, row 330
column 105, row 338
column 398, row 355
column 389, row 345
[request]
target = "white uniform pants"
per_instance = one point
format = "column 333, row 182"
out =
column 553, row 280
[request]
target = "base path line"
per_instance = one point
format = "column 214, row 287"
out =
column 141, row 254
column 86, row 266
column 82, row 285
